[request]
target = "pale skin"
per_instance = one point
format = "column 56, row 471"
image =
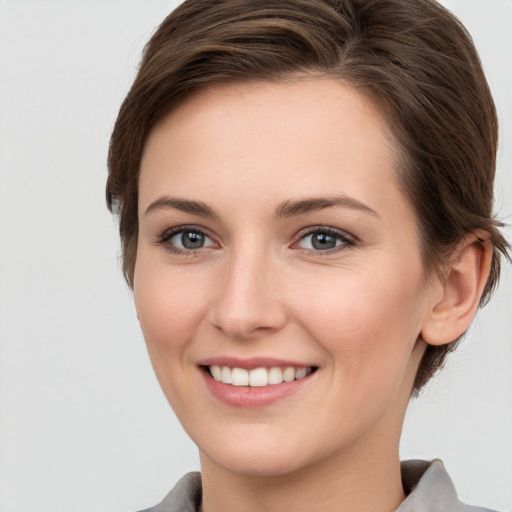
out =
column 255, row 174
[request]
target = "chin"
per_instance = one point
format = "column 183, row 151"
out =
column 260, row 457
column 257, row 463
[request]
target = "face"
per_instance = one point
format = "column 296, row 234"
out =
column 279, row 282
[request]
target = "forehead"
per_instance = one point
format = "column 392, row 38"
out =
column 305, row 135
column 299, row 102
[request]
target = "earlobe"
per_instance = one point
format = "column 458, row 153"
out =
column 463, row 285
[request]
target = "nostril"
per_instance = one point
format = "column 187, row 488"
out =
column 246, row 303
column 248, row 326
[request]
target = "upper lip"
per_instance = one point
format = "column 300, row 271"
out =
column 251, row 362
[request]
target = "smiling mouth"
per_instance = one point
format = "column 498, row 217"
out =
column 258, row 377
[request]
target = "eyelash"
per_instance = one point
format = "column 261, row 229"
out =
column 166, row 236
column 346, row 240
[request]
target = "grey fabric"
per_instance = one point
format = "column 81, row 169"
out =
column 430, row 489
column 427, row 484
column 185, row 497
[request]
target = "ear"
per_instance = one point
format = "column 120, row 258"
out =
column 462, row 286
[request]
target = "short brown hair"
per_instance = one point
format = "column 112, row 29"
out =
column 412, row 58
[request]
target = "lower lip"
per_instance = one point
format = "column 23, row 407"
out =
column 248, row 396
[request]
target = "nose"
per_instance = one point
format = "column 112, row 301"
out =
column 249, row 301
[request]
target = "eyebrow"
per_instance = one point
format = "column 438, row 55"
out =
column 289, row 208
column 184, row 205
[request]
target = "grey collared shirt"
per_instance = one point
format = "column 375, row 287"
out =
column 427, row 484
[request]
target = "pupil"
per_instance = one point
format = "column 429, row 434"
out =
column 323, row 241
column 191, row 240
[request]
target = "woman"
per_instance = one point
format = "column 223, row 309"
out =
column 305, row 199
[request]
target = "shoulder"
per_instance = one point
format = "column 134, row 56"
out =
column 430, row 489
column 185, row 497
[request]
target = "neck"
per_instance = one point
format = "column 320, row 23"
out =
column 340, row 483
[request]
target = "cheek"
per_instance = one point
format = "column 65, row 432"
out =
column 368, row 327
column 367, row 321
column 170, row 305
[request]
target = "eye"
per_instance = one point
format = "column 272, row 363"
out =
column 184, row 239
column 324, row 239
column 190, row 240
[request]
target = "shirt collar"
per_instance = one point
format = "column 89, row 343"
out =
column 428, row 487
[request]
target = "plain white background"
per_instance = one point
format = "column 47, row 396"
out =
column 84, row 426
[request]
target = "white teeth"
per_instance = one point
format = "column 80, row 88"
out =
column 275, row 376
column 226, row 375
column 289, row 374
column 258, row 377
column 216, row 372
column 301, row 373
column 240, row 377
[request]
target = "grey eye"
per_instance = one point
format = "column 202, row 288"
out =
column 190, row 240
column 324, row 240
